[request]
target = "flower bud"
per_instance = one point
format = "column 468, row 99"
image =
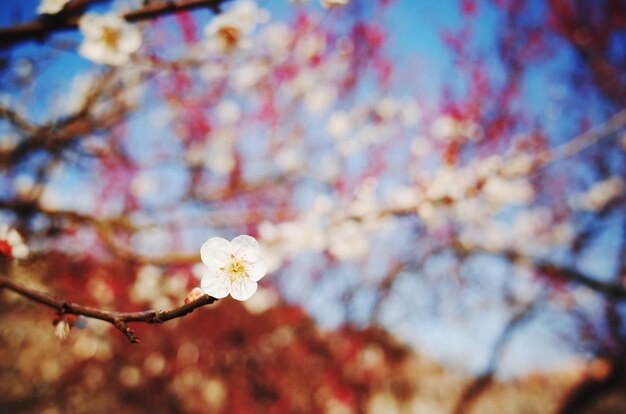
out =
column 195, row 294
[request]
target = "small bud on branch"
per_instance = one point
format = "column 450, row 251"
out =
column 118, row 319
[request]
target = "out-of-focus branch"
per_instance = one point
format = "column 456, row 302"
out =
column 581, row 142
column 17, row 120
column 475, row 388
column 106, row 229
column 42, row 27
column 169, row 7
column 554, row 271
column 590, row 29
column 56, row 136
column 118, row 319
column 39, row 28
column 612, row 290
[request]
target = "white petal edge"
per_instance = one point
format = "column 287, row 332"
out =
column 215, row 283
column 257, row 269
column 243, row 288
column 20, row 251
column 92, row 50
column 215, row 252
column 14, row 238
column 51, row 7
column 244, row 246
column 131, row 40
column 91, row 26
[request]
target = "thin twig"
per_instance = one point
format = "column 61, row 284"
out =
column 612, row 290
column 581, row 142
column 17, row 120
column 118, row 319
column 479, row 385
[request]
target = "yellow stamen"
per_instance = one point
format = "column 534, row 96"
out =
column 110, row 37
column 230, row 36
column 236, row 269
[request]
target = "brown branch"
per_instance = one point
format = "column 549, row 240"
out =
column 574, row 146
column 106, row 228
column 612, row 290
column 118, row 319
column 17, row 120
column 68, row 19
column 56, row 136
column 169, row 7
column 481, row 383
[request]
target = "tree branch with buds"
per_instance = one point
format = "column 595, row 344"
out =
column 118, row 319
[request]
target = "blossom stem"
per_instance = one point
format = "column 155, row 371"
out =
column 118, row 319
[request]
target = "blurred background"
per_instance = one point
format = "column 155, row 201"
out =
column 438, row 188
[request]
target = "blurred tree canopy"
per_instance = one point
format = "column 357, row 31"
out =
column 427, row 183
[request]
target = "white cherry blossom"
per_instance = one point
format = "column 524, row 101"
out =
column 277, row 39
column 109, row 39
column 11, row 244
column 600, row 194
column 51, row 6
column 348, row 241
column 232, row 267
column 339, row 124
column 226, row 34
column 249, row 13
column 228, row 112
column 403, row 197
column 219, row 154
column 445, row 128
column 410, row 113
column 501, row 191
column 231, row 30
column 387, row 108
column 309, row 46
column 318, row 100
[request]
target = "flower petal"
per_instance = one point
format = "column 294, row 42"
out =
column 93, row 50
column 245, row 247
column 243, row 288
column 215, row 283
column 215, row 252
column 90, row 26
column 20, row 251
column 256, row 269
column 14, row 238
column 130, row 40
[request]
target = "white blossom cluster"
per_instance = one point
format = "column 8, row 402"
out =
column 488, row 203
column 231, row 31
column 599, row 194
column 342, row 228
column 109, row 39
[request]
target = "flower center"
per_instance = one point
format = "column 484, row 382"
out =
column 236, row 269
column 230, row 36
column 110, row 37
